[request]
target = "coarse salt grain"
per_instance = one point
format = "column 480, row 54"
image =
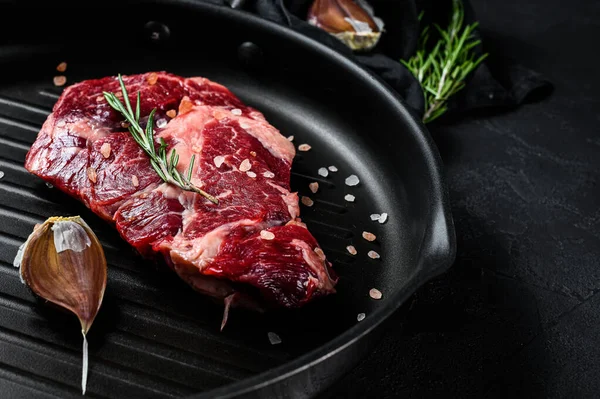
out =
column 360, row 317
column 49, row 185
column 218, row 160
column 245, row 165
column 314, row 187
column 161, row 123
column 152, row 78
column 61, row 67
column 253, row 153
column 185, row 105
column 373, row 255
column 352, row 180
column 351, row 249
column 332, row 168
column 304, row 147
column 349, row 197
column 383, row 218
column 323, row 172
column 244, row 125
column 236, row 111
column 268, row 174
column 368, row 236
column 124, row 125
column 375, row 293
column 251, row 174
column 320, row 253
column 290, row 138
column 1, row 174
column 375, row 216
column 91, row 173
column 266, row 235
column 59, row 80
column 171, row 113
column 135, row 181
column 274, row 339
column 307, row 201
column 105, row 150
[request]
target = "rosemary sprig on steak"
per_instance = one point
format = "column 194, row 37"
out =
column 164, row 165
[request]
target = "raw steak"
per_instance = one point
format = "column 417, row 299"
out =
column 251, row 248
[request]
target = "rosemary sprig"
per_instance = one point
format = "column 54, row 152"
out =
column 442, row 70
column 164, row 165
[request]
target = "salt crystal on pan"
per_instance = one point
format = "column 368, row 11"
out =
column 307, row 201
column 314, row 187
column 375, row 293
column 351, row 249
column 268, row 174
column 161, row 123
column 245, row 165
column 273, row 338
column 49, row 185
column 375, row 216
column 266, row 235
column 333, row 168
column 251, row 174
column 352, row 180
column 236, row 111
column 323, row 172
column 218, row 160
column 383, row 218
column 373, row 255
column 304, row 147
column 290, row 138
column 349, row 197
column 1, row 174
column 360, row 317
column 368, row 236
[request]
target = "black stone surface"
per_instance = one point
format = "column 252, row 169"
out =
column 519, row 313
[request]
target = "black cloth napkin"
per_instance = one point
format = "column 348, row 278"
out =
column 498, row 83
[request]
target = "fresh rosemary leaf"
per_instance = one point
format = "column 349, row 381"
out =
column 137, row 110
column 191, row 167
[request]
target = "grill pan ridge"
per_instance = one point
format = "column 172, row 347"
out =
column 154, row 337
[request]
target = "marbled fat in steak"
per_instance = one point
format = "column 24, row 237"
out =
column 252, row 238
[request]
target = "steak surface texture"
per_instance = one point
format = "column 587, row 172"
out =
column 250, row 249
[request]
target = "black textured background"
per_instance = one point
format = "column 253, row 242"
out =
column 518, row 314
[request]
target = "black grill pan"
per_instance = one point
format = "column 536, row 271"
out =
column 155, row 337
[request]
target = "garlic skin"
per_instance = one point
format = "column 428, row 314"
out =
column 352, row 22
column 63, row 262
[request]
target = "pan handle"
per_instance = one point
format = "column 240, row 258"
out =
column 236, row 3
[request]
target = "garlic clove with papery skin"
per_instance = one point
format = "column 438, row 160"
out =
column 352, row 22
column 63, row 262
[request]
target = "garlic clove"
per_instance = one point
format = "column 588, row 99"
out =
column 351, row 22
column 63, row 262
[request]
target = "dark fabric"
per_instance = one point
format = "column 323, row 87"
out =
column 497, row 83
